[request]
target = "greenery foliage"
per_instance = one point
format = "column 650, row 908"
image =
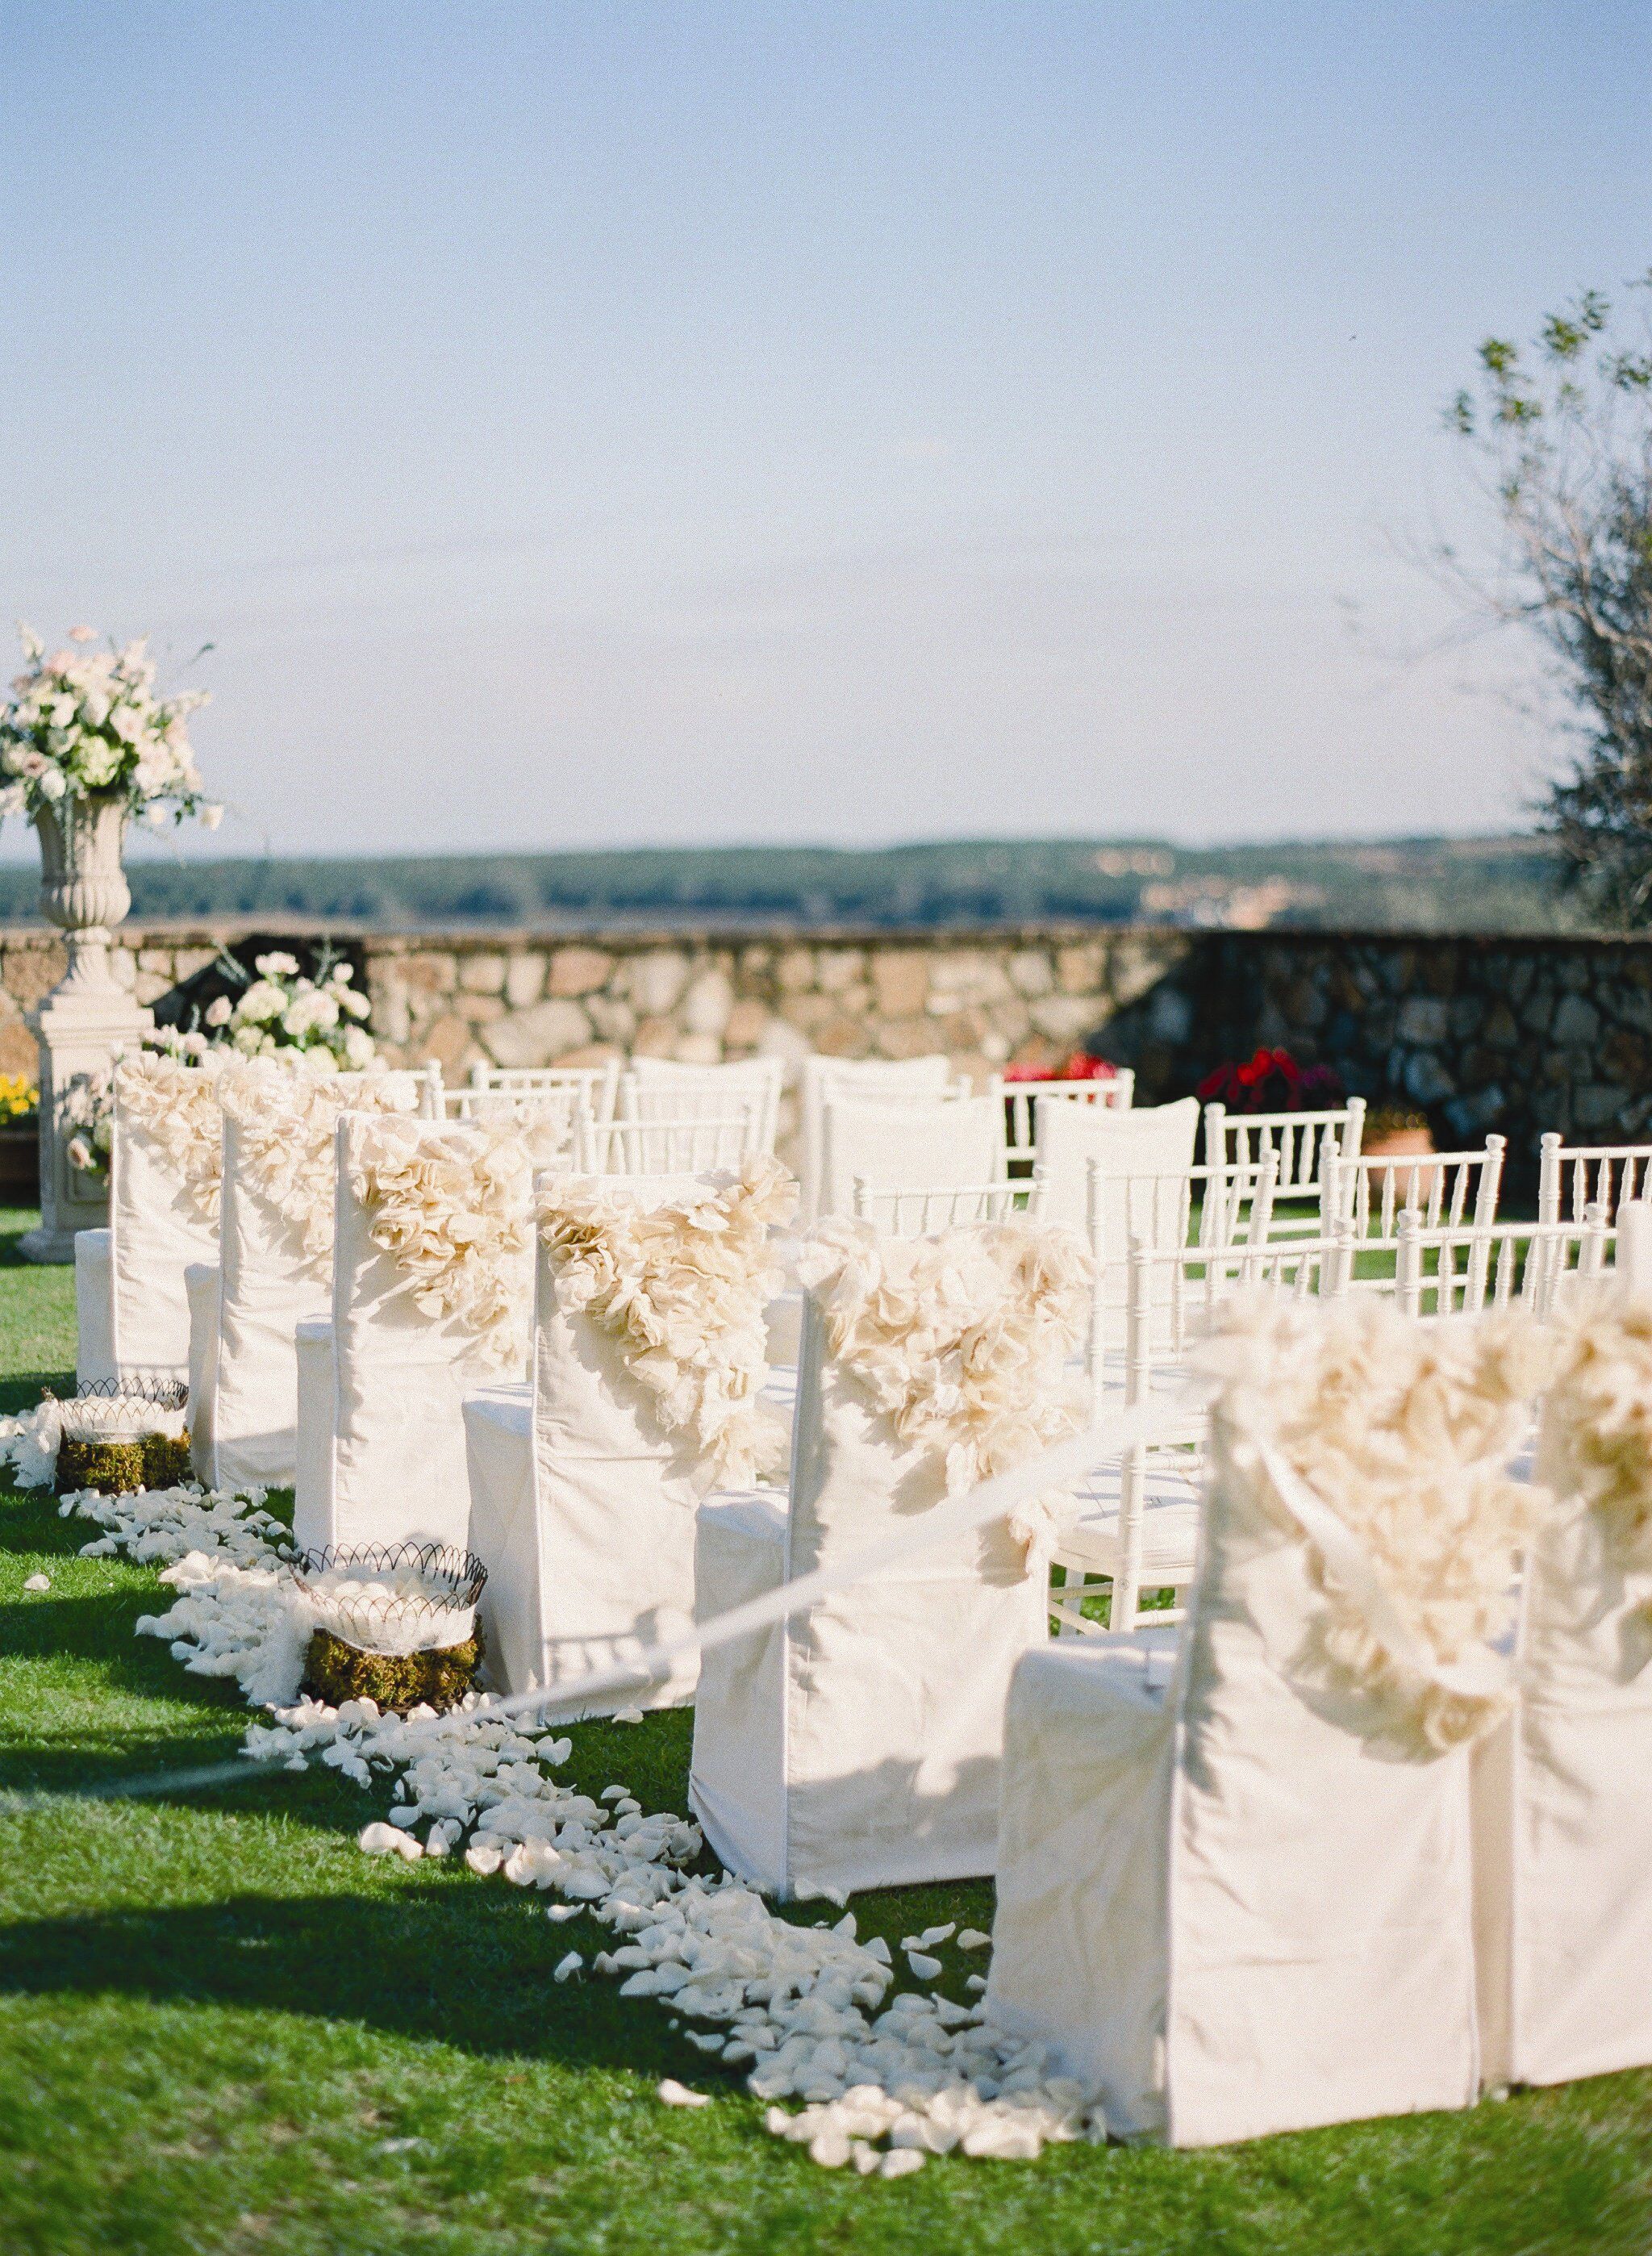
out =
column 1563, row 433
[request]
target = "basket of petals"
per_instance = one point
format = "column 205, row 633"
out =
column 120, row 1434
column 393, row 1623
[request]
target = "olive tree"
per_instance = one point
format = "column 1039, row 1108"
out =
column 1562, row 437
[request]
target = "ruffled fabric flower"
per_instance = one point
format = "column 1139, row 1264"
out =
column 286, row 1119
column 177, row 1105
column 454, row 1208
column 682, row 1288
column 1405, row 1432
column 962, row 1340
column 1597, row 1431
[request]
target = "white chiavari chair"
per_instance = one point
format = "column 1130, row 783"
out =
column 1306, row 1142
column 1023, row 1098
column 923, row 1214
column 866, row 1080
column 929, row 1143
column 664, row 1088
column 1447, row 1271
column 1133, row 1526
column 1069, row 1139
column 597, row 1084
column 692, row 1146
column 1572, row 1178
column 1446, row 1190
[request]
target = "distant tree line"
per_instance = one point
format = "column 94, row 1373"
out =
column 1439, row 885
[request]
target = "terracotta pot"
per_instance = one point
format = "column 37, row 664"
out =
column 1398, row 1144
column 1413, row 1187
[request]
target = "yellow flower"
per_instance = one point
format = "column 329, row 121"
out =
column 20, row 1098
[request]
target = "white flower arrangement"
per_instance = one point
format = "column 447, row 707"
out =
column 454, row 1209
column 1404, row 1431
column 175, row 1101
column 283, row 1009
column 962, row 1340
column 285, row 1111
column 1597, row 1431
column 682, row 1286
column 87, row 1109
column 87, row 724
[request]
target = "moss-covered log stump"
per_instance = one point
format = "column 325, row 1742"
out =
column 117, row 1466
column 335, row 1672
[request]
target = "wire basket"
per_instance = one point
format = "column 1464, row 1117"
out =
column 393, row 1598
column 116, row 1435
column 124, row 1409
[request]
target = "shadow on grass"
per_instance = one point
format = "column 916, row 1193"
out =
column 438, row 1959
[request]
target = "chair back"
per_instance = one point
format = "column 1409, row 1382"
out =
column 163, row 1208
column 1116, row 1093
column 693, row 1144
column 595, row 1084
column 1445, row 1190
column 1305, row 1142
column 902, row 1080
column 922, row 1214
column 664, row 1089
column 935, row 1144
column 1154, row 1141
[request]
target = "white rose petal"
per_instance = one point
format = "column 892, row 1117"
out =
column 39, row 1583
column 568, row 1968
column 678, row 2095
column 924, row 1967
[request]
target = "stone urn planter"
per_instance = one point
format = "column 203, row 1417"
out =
column 83, row 888
column 84, row 1020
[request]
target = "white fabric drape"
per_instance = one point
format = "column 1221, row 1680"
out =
column 1222, row 1894
column 396, row 1469
column 1152, row 1140
column 857, row 1745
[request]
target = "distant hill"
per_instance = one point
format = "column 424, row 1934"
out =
column 1420, row 884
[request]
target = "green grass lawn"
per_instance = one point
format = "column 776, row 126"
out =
column 223, row 2028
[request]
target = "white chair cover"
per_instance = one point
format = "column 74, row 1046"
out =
column 93, row 1308
column 664, row 1089
column 163, row 1211
column 857, row 1745
column 268, row 1279
column 828, row 1078
column 1152, row 1140
column 390, row 1466
column 1236, row 1893
column 582, row 1501
column 939, row 1144
column 1563, row 1791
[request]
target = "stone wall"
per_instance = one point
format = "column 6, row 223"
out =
column 1482, row 1033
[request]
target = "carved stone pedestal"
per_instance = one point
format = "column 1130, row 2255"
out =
column 82, row 1023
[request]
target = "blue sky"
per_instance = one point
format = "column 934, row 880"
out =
column 616, row 423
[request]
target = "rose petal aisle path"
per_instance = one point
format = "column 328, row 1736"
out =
column 223, row 2028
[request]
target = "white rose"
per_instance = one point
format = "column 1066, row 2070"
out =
column 263, row 1001
column 51, row 785
column 357, row 1006
column 217, row 1011
column 212, row 815
column 360, row 1049
column 277, row 966
column 125, row 723
column 95, row 709
column 247, row 1040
